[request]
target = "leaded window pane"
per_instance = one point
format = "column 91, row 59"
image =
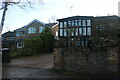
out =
column 61, row 32
column 80, row 31
column 83, row 22
column 65, row 32
column 65, row 24
column 61, row 24
column 88, row 22
column 80, row 23
column 73, row 23
column 76, row 23
column 78, row 43
column 76, row 32
column 82, row 43
column 69, row 23
column 84, row 31
column 88, row 30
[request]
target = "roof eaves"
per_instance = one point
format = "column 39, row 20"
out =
column 33, row 22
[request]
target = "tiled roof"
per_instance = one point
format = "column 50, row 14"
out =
column 50, row 24
column 8, row 34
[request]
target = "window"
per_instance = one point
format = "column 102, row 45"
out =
column 61, row 24
column 80, row 24
column 12, row 38
column 19, row 45
column 72, row 30
column 88, row 22
column 65, row 24
column 80, row 31
column 73, row 23
column 76, row 23
column 86, row 42
column 65, row 32
column 76, row 32
column 17, row 33
column 69, row 23
column 83, row 22
column 82, row 43
column 61, row 32
column 78, row 43
column 23, row 33
column 41, row 29
column 32, row 30
column 84, row 31
column 88, row 30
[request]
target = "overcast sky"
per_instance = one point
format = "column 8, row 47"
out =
column 17, row 17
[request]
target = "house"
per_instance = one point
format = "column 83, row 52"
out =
column 8, row 40
column 75, row 53
column 32, row 29
column 74, row 27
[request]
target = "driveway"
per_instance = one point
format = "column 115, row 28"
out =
column 31, row 67
column 38, row 61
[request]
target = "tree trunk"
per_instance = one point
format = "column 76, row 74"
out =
column 1, row 27
column 3, row 17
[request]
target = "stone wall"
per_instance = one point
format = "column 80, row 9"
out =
column 100, row 62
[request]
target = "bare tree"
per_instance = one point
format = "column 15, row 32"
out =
column 20, row 3
column 4, row 6
column 52, row 19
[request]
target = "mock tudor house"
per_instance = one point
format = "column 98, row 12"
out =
column 79, row 30
column 75, row 28
column 83, row 27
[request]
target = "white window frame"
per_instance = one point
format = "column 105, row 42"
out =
column 19, row 43
column 41, row 29
column 32, row 30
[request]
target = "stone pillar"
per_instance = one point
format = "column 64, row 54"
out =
column 58, row 63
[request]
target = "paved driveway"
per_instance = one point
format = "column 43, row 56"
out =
column 38, row 61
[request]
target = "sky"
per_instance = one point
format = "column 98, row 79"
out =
column 17, row 17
